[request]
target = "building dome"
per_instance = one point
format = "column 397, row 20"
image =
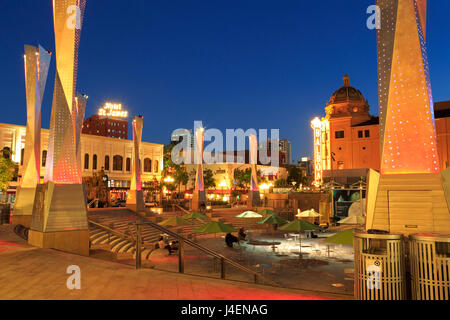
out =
column 346, row 93
column 347, row 101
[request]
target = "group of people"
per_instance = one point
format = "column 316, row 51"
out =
column 230, row 239
column 171, row 246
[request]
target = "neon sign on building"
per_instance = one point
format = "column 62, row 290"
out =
column 321, row 130
column 112, row 110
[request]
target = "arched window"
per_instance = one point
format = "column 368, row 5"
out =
column 156, row 166
column 44, row 157
column 94, row 162
column 117, row 163
column 147, row 165
column 86, row 161
column 128, row 164
column 106, row 162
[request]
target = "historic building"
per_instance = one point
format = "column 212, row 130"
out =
column 347, row 139
column 97, row 152
column 111, row 121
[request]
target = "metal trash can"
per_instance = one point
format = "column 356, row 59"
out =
column 379, row 266
column 5, row 212
column 430, row 266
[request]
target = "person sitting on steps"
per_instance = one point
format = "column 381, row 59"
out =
column 162, row 245
column 242, row 234
column 230, row 239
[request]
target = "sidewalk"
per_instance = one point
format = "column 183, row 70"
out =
column 30, row 273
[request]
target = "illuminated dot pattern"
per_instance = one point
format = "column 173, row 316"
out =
column 407, row 121
column 63, row 165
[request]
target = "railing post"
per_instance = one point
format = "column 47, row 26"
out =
column 181, row 256
column 138, row 246
column 222, row 268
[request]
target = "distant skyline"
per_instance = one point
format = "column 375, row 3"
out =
column 235, row 64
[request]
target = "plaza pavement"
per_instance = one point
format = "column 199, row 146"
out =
column 32, row 273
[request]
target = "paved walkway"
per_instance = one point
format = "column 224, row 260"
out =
column 30, row 273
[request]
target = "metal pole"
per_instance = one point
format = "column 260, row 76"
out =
column 361, row 197
column 222, row 268
column 181, row 257
column 138, row 246
column 332, row 198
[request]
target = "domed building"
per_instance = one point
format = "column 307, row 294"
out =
column 348, row 102
column 347, row 139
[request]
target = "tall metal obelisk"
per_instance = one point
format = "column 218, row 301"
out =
column 135, row 196
column 60, row 210
column 37, row 62
column 199, row 196
column 410, row 195
column 253, row 194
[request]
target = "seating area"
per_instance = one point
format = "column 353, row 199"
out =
column 119, row 220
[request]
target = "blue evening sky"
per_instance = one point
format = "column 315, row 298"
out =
column 232, row 64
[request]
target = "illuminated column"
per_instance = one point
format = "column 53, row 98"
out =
column 135, row 196
column 408, row 196
column 80, row 108
column 37, row 62
column 199, row 196
column 60, row 210
column 253, row 194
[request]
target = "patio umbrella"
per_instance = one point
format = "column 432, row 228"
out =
column 249, row 214
column 299, row 225
column 195, row 215
column 267, row 212
column 215, row 227
column 353, row 220
column 175, row 222
column 308, row 214
column 274, row 220
column 344, row 237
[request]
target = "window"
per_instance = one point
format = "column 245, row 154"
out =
column 44, row 157
column 128, row 164
column 86, row 161
column 360, row 134
column 22, row 153
column 367, row 133
column 339, row 134
column 106, row 162
column 94, row 162
column 156, row 166
column 117, row 163
column 147, row 165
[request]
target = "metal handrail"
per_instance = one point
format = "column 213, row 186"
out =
column 208, row 251
column 137, row 243
column 181, row 208
column 114, row 232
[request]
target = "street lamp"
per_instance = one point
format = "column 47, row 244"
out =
column 169, row 179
